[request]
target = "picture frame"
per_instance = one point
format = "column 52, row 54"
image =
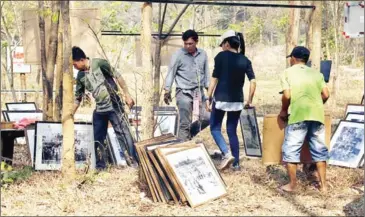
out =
column 194, row 173
column 165, row 123
column 21, row 106
column 14, row 116
column 354, row 108
column 115, row 148
column 48, row 145
column 250, row 132
column 362, row 100
column 347, row 144
column 30, row 141
column 355, row 117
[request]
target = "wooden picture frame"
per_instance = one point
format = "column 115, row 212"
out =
column 21, row 106
column 347, row 144
column 356, row 108
column 250, row 132
column 14, row 116
column 29, row 132
column 144, row 164
column 165, row 123
column 49, row 158
column 180, row 163
column 355, row 117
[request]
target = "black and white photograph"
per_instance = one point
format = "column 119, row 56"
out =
column 115, row 147
column 250, row 132
column 21, row 106
column 14, row 116
column 48, row 145
column 355, row 117
column 347, row 144
column 30, row 137
column 165, row 124
column 354, row 108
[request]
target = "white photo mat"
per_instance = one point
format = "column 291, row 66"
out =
column 351, row 116
column 197, row 177
column 50, row 157
column 347, row 144
column 21, row 106
column 14, row 116
column 116, row 148
column 355, row 108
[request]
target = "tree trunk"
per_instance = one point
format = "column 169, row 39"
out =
column 43, row 56
column 23, row 86
column 51, row 60
column 317, row 35
column 309, row 30
column 157, row 71
column 337, row 59
column 328, row 52
column 58, row 95
column 293, row 31
column 68, row 151
column 147, row 106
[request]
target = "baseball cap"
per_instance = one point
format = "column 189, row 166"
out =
column 300, row 52
column 227, row 34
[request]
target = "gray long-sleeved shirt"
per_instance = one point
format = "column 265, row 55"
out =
column 187, row 69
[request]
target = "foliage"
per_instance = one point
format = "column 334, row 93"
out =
column 8, row 175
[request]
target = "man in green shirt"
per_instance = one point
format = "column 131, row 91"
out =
column 305, row 91
column 98, row 77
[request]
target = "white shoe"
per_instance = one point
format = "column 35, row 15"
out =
column 227, row 160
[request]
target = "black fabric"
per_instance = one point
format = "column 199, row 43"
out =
column 230, row 70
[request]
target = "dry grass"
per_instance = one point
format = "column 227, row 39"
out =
column 252, row 191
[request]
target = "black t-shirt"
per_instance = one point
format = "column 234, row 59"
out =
column 230, row 70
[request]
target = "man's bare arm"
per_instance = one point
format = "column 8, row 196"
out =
column 325, row 94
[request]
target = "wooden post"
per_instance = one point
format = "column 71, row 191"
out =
column 317, row 35
column 147, row 106
column 23, row 86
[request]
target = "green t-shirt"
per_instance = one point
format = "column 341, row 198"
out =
column 305, row 85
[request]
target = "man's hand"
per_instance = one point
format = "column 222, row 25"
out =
column 248, row 104
column 129, row 101
column 167, row 97
column 284, row 115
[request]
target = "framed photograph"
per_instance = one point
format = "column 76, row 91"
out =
column 21, row 106
column 347, row 144
column 115, row 148
column 48, row 145
column 355, row 108
column 362, row 100
column 14, row 116
column 250, row 132
column 165, row 123
column 30, row 139
column 197, row 178
column 355, row 117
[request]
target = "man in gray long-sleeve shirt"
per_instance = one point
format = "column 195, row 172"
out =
column 189, row 68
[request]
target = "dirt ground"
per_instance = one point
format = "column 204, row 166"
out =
column 251, row 191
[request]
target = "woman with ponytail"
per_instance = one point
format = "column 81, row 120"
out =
column 225, row 94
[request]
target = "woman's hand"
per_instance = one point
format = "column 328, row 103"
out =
column 208, row 106
column 248, row 104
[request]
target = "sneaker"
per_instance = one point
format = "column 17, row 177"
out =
column 236, row 168
column 227, row 160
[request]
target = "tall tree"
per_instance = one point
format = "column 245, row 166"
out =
column 317, row 35
column 59, row 75
column 293, row 31
column 309, row 30
column 147, row 106
column 42, row 34
column 51, row 60
column 68, row 151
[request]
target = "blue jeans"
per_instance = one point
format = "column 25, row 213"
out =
column 294, row 138
column 216, row 120
column 100, row 124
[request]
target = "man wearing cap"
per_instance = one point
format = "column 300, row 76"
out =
column 304, row 89
column 189, row 69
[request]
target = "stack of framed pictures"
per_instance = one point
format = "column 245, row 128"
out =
column 19, row 110
column 347, row 143
column 250, row 132
column 48, row 145
column 179, row 173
